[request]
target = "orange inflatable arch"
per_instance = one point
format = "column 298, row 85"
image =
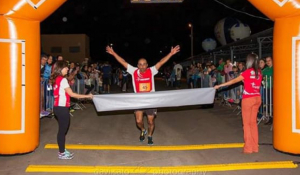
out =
column 20, row 81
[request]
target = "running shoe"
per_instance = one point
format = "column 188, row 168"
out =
column 68, row 152
column 44, row 113
column 142, row 136
column 64, row 156
column 150, row 141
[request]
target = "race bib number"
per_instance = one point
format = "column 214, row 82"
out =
column 144, row 87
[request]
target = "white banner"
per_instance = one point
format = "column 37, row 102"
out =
column 172, row 98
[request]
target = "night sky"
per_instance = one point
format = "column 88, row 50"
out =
column 143, row 30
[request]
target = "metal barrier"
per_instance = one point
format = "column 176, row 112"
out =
column 232, row 95
column 235, row 98
column 77, row 87
column 47, row 98
column 266, row 108
column 206, row 81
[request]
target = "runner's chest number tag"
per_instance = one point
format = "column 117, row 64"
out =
column 144, row 87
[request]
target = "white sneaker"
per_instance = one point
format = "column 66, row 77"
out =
column 68, row 152
column 64, row 156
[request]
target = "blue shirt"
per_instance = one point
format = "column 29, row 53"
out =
column 47, row 72
column 106, row 71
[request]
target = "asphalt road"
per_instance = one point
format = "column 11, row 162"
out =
column 174, row 127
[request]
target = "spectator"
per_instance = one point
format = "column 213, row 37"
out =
column 198, row 75
column 213, row 75
column 77, row 79
column 60, row 58
column 236, row 96
column 262, row 64
column 85, row 62
column 43, row 85
column 92, row 76
column 49, row 98
column 72, row 67
column 206, row 79
column 177, row 67
column 87, row 81
column 44, row 59
column 221, row 65
column 268, row 78
column 190, row 75
column 124, row 85
column 167, row 74
column 241, row 67
column 178, row 78
column 172, row 78
column 47, row 68
column 227, row 70
column 95, row 75
column 100, row 83
column 118, row 77
column 107, row 73
column 72, row 74
column 81, row 78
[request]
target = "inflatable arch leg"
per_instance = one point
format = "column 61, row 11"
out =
column 286, row 14
column 19, row 52
column 20, row 81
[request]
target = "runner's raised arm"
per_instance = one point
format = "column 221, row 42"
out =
column 174, row 50
column 118, row 58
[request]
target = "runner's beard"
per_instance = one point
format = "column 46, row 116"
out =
column 143, row 70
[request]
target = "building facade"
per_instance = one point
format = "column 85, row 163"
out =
column 73, row 47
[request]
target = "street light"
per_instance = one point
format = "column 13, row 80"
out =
column 192, row 39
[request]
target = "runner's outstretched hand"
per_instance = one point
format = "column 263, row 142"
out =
column 175, row 50
column 217, row 87
column 110, row 50
column 90, row 96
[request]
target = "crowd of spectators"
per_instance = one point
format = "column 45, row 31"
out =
column 97, row 78
column 203, row 75
column 83, row 78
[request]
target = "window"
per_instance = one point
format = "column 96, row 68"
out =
column 56, row 50
column 74, row 49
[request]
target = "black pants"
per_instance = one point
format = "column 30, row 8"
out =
column 89, row 88
column 63, row 118
column 124, row 81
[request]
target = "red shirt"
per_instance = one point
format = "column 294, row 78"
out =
column 61, row 97
column 142, row 82
column 251, row 83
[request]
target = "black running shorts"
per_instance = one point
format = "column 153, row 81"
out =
column 148, row 111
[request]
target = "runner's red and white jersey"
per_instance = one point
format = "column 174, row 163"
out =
column 142, row 82
column 61, row 97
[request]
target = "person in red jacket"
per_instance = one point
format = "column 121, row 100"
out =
column 252, row 78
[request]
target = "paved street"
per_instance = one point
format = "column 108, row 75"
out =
column 183, row 126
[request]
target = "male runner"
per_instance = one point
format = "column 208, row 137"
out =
column 143, row 81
